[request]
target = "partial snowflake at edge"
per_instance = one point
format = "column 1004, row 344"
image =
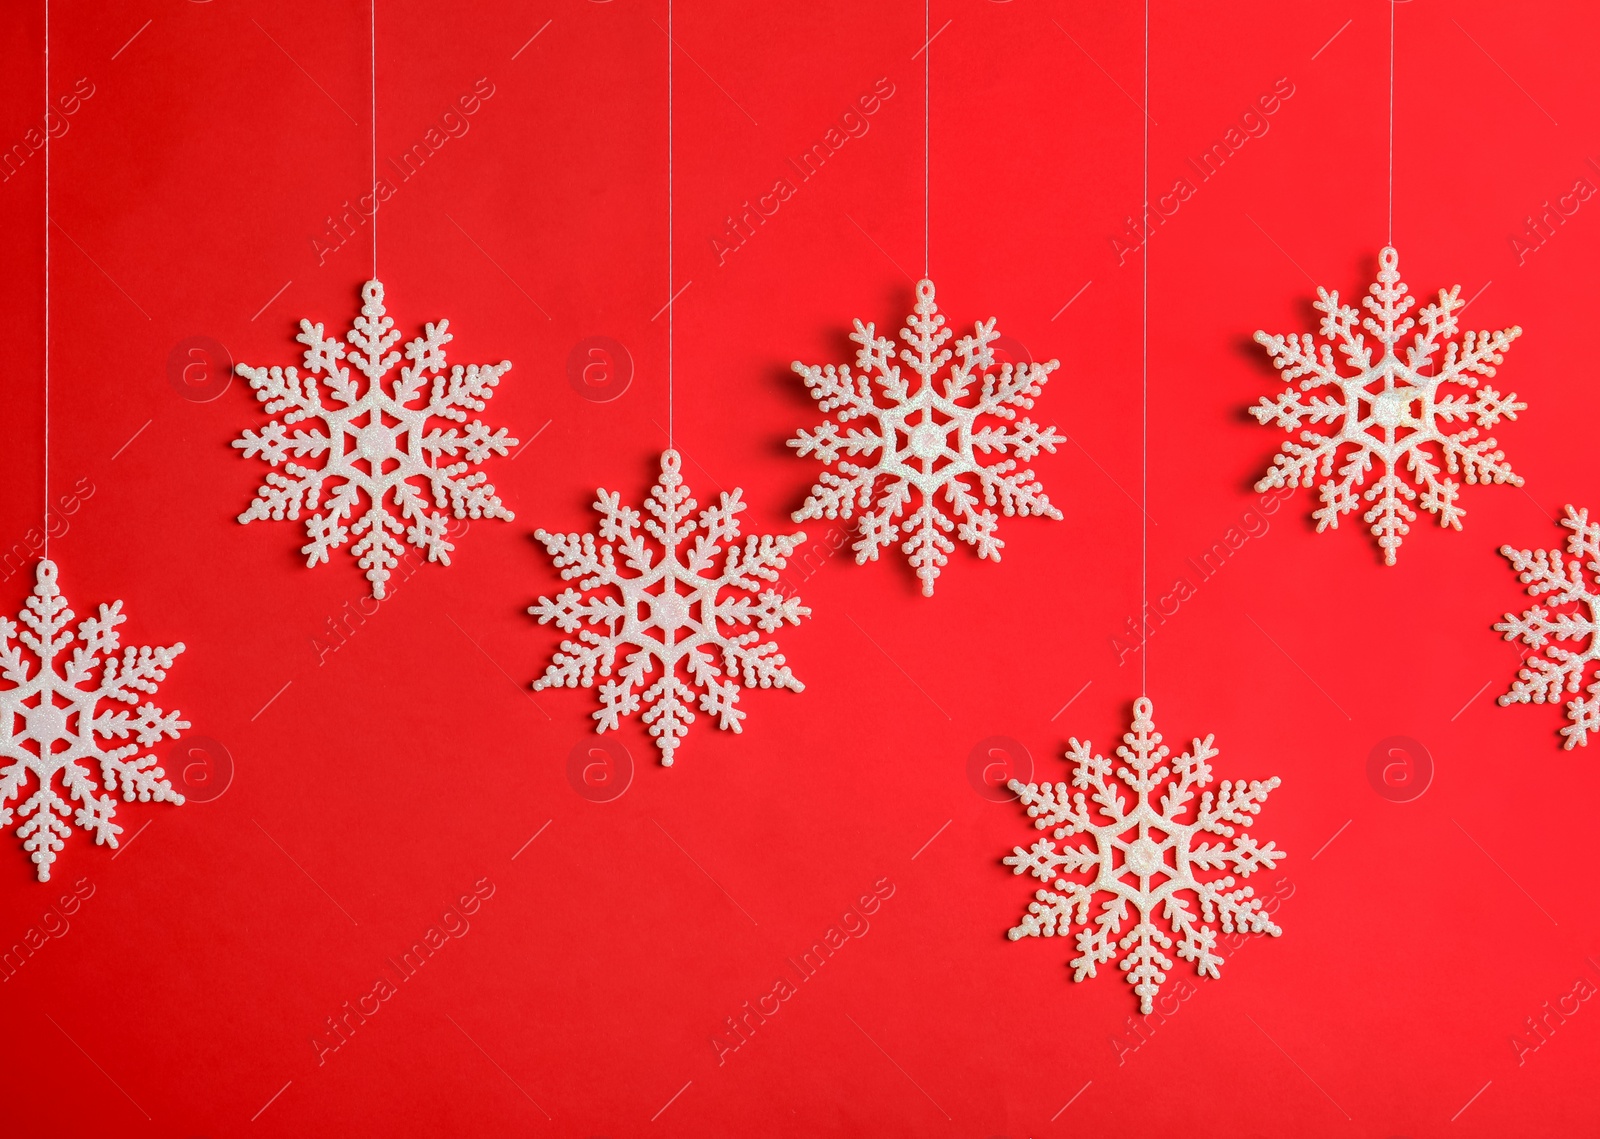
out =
column 1403, row 424
column 721, row 649
column 1549, row 670
column 926, row 441
column 375, row 443
column 30, row 715
column 1155, row 848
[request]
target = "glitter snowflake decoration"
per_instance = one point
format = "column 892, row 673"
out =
column 1143, row 859
column 374, row 441
column 54, row 731
column 1391, row 411
column 693, row 618
column 1549, row 669
column 922, row 440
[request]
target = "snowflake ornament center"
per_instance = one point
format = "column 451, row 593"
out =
column 926, row 441
column 629, row 577
column 394, row 454
column 1169, row 795
column 907, row 431
column 670, row 611
column 375, row 443
column 1398, row 407
column 46, row 724
column 1399, row 412
column 1144, row 857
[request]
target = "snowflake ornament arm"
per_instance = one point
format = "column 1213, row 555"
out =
column 376, row 445
column 53, row 726
column 1553, row 669
column 688, row 622
column 839, row 494
column 904, row 449
column 453, row 395
column 1143, row 856
column 283, row 391
column 1389, row 409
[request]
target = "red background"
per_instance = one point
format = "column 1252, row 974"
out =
column 392, row 774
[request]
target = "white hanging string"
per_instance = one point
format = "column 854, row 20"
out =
column 372, row 45
column 1391, row 122
column 1144, row 391
column 47, row 280
column 927, row 64
column 670, row 279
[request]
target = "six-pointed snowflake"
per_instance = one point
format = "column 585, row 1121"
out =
column 54, row 732
column 1560, row 582
column 1393, row 410
column 923, row 440
column 1143, row 857
column 373, row 441
column 693, row 617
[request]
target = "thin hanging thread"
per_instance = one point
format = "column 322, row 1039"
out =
column 372, row 43
column 1391, row 122
column 47, row 280
column 1144, row 391
column 927, row 64
column 670, row 278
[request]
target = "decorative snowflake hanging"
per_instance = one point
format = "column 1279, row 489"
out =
column 52, row 725
column 925, row 439
column 671, row 612
column 1391, row 410
column 374, row 441
column 1560, row 582
column 1143, row 859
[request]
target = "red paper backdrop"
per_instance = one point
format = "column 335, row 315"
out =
column 376, row 782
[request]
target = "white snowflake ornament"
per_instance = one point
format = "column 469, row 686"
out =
column 1549, row 669
column 686, row 615
column 1144, row 857
column 375, row 443
column 1396, row 408
column 896, row 438
column 54, row 731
